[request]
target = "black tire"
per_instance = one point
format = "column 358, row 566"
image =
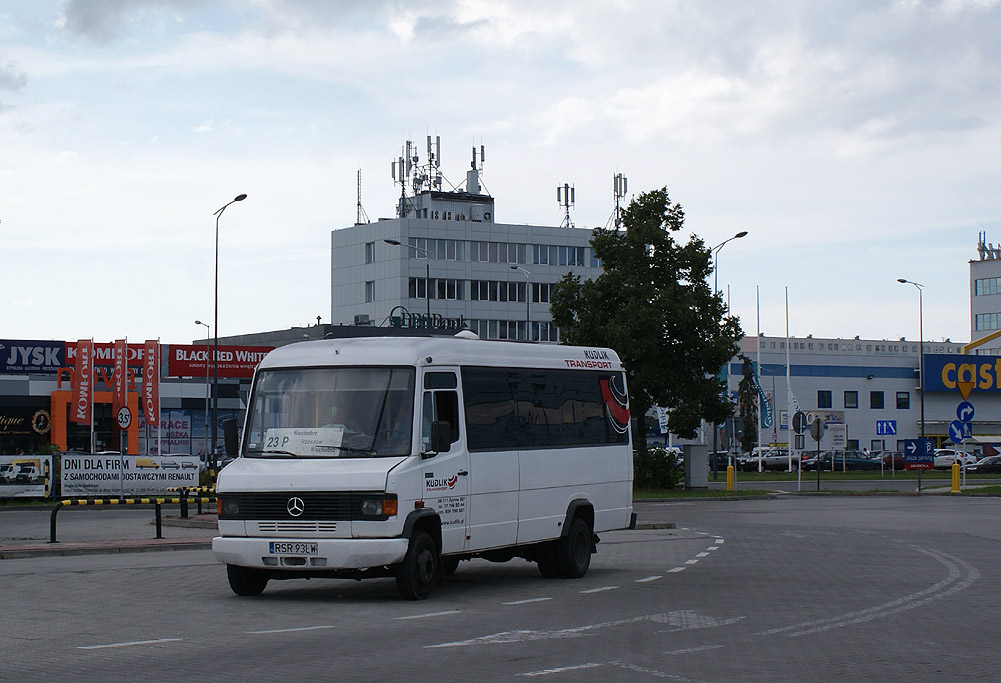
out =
column 449, row 565
column 245, row 581
column 546, row 559
column 573, row 551
column 418, row 573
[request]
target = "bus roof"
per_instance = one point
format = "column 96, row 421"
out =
column 424, row 351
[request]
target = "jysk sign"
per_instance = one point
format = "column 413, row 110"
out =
column 945, row 372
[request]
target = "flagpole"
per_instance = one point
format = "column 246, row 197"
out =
column 93, row 397
column 159, row 421
column 757, row 343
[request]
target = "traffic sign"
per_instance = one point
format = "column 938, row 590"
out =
column 919, row 454
column 957, row 431
column 124, row 417
column 886, row 427
column 817, row 429
column 965, row 411
column 799, row 422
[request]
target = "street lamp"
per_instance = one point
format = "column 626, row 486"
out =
column 208, row 352
column 215, row 342
column 528, row 299
column 921, row 342
column 716, row 249
column 427, row 286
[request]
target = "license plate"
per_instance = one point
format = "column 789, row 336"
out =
column 290, row 548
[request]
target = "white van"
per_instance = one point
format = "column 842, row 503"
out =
column 401, row 456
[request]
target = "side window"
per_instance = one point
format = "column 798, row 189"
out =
column 440, row 404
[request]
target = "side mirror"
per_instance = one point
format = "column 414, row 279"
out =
column 231, row 437
column 441, row 436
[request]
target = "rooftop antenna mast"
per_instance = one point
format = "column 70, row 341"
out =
column 361, row 217
column 565, row 197
column 619, row 187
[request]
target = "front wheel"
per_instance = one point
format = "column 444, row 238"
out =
column 573, row 551
column 416, row 575
column 245, row 581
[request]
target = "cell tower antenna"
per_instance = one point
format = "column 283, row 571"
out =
column 565, row 197
column 361, row 217
column 619, row 187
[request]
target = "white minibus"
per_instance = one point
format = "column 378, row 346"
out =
column 402, row 456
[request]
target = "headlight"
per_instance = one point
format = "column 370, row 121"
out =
column 229, row 507
column 379, row 507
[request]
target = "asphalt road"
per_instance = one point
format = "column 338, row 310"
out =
column 796, row 588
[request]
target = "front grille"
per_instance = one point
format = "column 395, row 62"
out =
column 280, row 527
column 316, row 505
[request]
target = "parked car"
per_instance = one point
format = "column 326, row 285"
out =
column 771, row 459
column 991, row 463
column 843, row 460
column 892, row 460
column 945, row 457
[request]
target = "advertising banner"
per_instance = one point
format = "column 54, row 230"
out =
column 950, row 372
column 102, row 475
column 82, row 401
column 18, row 356
column 104, row 354
column 189, row 360
column 121, row 388
column 25, row 476
column 151, row 382
column 176, row 435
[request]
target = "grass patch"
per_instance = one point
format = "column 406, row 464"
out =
column 646, row 494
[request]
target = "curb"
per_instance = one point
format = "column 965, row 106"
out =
column 103, row 548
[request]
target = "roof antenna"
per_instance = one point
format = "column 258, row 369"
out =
column 565, row 197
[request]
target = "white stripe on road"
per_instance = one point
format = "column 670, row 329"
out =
column 702, row 554
column 649, row 578
column 676, row 570
column 601, row 590
column 429, row 614
column 691, row 561
column 546, row 672
column 130, row 643
column 289, row 630
column 525, row 602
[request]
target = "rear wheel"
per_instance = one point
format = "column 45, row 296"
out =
column 416, row 575
column 573, row 551
column 245, row 581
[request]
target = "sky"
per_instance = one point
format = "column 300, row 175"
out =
column 856, row 142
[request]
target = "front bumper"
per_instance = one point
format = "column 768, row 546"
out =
column 337, row 553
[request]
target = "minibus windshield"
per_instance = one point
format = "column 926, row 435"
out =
column 331, row 413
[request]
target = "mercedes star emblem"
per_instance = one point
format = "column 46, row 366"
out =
column 295, row 506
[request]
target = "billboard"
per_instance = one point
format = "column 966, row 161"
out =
column 111, row 474
column 189, row 360
column 954, row 372
column 25, row 476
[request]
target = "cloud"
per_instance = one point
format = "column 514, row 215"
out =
column 12, row 77
column 103, row 20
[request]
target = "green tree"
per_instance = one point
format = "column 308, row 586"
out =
column 747, row 398
column 653, row 305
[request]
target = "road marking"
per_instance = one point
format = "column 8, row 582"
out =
column 289, row 630
column 559, row 670
column 691, row 561
column 692, row 649
column 713, row 547
column 676, row 570
column 600, row 590
column 430, row 614
column 130, row 643
column 719, row 541
column 702, row 554
column 649, row 578
column 525, row 602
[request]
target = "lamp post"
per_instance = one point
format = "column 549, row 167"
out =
column 215, row 342
column 715, row 250
column 208, row 352
column 528, row 299
column 921, row 346
column 427, row 286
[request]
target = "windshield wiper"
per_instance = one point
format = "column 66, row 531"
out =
column 350, row 449
column 272, row 450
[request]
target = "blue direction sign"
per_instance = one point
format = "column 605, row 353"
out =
column 965, row 411
column 886, row 427
column 957, row 431
column 919, row 454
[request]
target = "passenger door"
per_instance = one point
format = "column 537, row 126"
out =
column 446, row 474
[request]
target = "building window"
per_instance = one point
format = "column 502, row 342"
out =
column 541, row 292
column 877, row 445
column 370, row 252
column 876, row 400
column 369, row 291
column 852, row 444
column 823, row 398
column 903, row 400
column 988, row 321
column 987, row 286
column 851, row 399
